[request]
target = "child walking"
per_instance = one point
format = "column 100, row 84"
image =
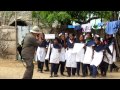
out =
column 55, row 57
column 71, row 57
column 41, row 53
column 80, row 54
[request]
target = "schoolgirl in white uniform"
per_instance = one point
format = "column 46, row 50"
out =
column 88, row 54
column 80, row 54
column 55, row 57
column 97, row 56
column 71, row 57
column 62, row 53
column 113, row 52
column 106, row 57
column 41, row 53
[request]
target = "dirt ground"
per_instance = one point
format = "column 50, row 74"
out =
column 11, row 69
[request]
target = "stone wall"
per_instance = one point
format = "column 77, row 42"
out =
column 8, row 42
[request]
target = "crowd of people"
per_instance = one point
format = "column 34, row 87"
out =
column 93, row 59
column 96, row 53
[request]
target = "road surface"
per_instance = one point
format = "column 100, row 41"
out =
column 11, row 69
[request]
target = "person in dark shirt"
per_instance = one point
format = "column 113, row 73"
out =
column 19, row 49
column 31, row 42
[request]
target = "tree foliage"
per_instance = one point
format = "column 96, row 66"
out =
column 64, row 17
column 49, row 17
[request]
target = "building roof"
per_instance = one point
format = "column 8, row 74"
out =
column 19, row 23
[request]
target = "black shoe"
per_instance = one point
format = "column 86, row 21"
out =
column 46, row 70
column 63, row 74
column 117, row 69
column 104, row 75
column 51, row 76
column 38, row 70
column 41, row 71
column 78, row 75
column 93, row 76
column 83, row 76
column 55, row 75
column 73, row 75
column 90, row 74
column 68, row 76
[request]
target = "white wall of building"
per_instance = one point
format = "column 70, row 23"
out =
column 22, row 31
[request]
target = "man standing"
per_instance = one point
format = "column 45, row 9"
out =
column 19, row 49
column 31, row 42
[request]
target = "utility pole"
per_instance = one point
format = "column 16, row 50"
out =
column 16, row 33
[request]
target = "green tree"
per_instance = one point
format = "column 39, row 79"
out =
column 64, row 17
column 48, row 17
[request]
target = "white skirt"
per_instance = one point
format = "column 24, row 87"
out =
column 71, row 59
column 111, row 59
column 40, row 54
column 80, row 56
column 66, row 54
column 55, row 56
column 48, row 52
column 114, row 54
column 105, row 59
column 97, row 59
column 88, row 55
column 62, row 55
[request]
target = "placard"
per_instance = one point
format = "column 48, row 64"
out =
column 49, row 36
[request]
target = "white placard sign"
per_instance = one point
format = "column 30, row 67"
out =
column 77, row 47
column 49, row 36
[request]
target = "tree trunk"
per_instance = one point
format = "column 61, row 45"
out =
column 115, row 15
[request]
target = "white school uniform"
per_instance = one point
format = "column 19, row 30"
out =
column 40, row 54
column 88, row 55
column 48, row 52
column 55, row 55
column 97, row 58
column 71, row 58
column 80, row 55
column 112, row 59
column 62, row 54
column 105, row 59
